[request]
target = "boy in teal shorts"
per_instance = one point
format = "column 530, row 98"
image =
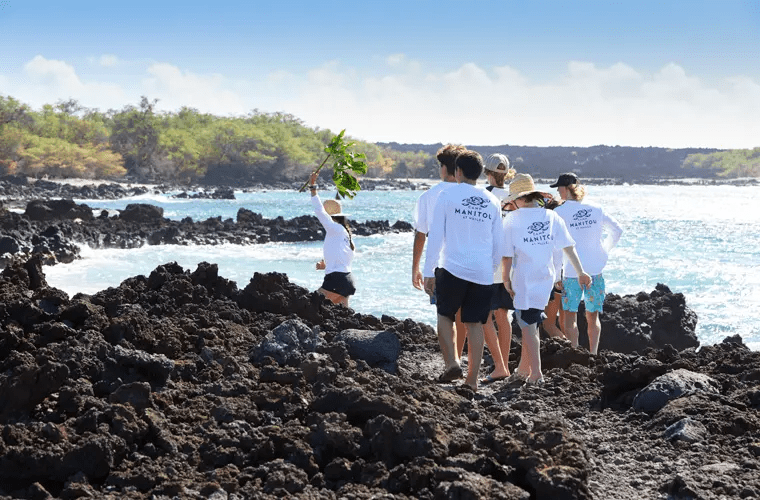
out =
column 595, row 233
column 574, row 293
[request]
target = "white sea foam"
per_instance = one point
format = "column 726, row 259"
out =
column 698, row 240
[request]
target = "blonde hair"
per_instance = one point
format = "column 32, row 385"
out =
column 499, row 178
column 577, row 191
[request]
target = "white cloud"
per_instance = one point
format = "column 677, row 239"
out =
column 587, row 105
column 108, row 61
column 46, row 81
column 175, row 88
column 401, row 101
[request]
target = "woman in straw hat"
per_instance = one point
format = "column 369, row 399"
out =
column 338, row 284
column 531, row 234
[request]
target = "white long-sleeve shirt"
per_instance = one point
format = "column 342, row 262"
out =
column 423, row 210
column 337, row 249
column 466, row 232
column 587, row 223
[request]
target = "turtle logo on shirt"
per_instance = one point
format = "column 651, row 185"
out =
column 582, row 214
column 538, row 227
column 475, row 208
column 475, row 202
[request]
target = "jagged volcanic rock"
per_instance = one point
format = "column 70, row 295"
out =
column 160, row 388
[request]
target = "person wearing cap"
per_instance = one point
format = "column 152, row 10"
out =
column 338, row 284
column 595, row 233
column 531, row 234
column 423, row 215
column 497, row 172
column 462, row 253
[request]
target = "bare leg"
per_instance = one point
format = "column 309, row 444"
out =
column 335, row 298
column 505, row 335
column 594, row 331
column 445, row 329
column 550, row 323
column 532, row 345
column 571, row 327
column 474, row 354
column 523, row 367
column 460, row 334
column 492, row 341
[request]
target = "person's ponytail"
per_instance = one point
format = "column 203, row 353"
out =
column 577, row 191
column 343, row 222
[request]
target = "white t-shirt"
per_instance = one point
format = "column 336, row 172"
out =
column 467, row 228
column 423, row 211
column 531, row 236
column 337, row 249
column 501, row 193
column 587, row 223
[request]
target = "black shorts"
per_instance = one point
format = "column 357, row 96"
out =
column 340, row 283
column 452, row 293
column 500, row 298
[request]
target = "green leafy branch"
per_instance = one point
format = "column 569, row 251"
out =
column 346, row 164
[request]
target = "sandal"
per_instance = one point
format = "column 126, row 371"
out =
column 488, row 379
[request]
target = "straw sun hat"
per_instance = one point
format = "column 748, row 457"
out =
column 332, row 207
column 522, row 185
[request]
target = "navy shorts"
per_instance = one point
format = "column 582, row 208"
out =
column 500, row 298
column 452, row 293
column 340, row 283
column 529, row 317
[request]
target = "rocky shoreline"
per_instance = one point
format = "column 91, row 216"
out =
column 181, row 385
column 53, row 226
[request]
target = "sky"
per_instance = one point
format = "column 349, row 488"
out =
column 664, row 73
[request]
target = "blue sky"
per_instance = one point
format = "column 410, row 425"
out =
column 480, row 72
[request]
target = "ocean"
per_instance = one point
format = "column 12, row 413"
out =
column 699, row 240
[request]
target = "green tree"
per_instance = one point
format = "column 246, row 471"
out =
column 38, row 156
column 732, row 163
column 135, row 135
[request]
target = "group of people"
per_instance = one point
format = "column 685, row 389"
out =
column 508, row 247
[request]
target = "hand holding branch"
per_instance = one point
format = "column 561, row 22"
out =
column 345, row 164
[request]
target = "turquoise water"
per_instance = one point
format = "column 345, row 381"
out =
column 702, row 241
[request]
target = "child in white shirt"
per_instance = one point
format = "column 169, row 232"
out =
column 531, row 234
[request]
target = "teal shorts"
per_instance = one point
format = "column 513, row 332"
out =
column 593, row 295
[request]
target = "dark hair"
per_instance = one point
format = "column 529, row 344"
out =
column 471, row 164
column 447, row 156
column 340, row 219
column 552, row 203
column 534, row 196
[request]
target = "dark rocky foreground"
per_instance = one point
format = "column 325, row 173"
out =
column 181, row 385
column 55, row 229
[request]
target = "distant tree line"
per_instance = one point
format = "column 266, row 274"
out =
column 729, row 164
column 622, row 163
column 142, row 144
